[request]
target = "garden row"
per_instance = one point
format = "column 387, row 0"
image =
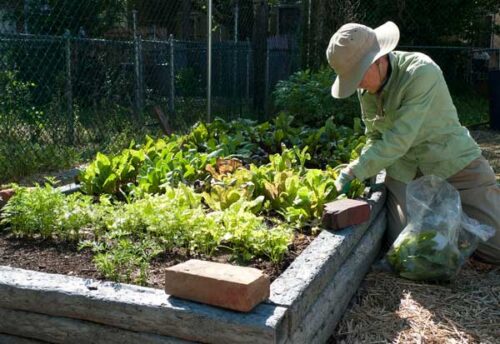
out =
column 237, row 187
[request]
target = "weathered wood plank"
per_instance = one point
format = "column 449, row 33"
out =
column 301, row 283
column 137, row 308
column 8, row 339
column 65, row 330
column 320, row 322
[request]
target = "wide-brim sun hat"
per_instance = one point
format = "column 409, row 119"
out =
column 353, row 48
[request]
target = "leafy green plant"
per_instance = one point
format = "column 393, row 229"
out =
column 183, row 159
column 285, row 186
column 46, row 212
column 138, row 231
column 235, row 186
column 127, row 261
column 99, row 176
column 424, row 255
column 146, row 169
column 248, row 235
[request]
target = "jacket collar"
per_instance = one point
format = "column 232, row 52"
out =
column 387, row 84
column 393, row 64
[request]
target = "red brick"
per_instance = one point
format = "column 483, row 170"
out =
column 344, row 213
column 228, row 286
column 5, row 195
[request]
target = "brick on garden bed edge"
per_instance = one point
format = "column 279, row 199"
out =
column 229, row 286
column 5, row 195
column 344, row 213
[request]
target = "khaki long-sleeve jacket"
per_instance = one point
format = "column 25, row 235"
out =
column 412, row 124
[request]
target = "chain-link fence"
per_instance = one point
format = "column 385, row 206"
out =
column 82, row 76
column 92, row 75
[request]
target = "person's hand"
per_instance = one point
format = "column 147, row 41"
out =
column 343, row 181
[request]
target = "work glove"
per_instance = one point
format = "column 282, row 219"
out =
column 343, row 181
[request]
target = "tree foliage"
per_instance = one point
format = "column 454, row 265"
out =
column 425, row 22
column 55, row 17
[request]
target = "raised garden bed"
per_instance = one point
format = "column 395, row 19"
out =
column 306, row 301
column 242, row 192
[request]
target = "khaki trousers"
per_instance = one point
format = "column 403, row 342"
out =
column 480, row 197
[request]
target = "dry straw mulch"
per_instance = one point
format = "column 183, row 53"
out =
column 388, row 309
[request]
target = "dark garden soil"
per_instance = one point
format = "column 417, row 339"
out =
column 65, row 258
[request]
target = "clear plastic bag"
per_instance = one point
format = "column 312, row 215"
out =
column 439, row 237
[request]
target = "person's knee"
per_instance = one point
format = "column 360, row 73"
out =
column 396, row 204
column 396, row 222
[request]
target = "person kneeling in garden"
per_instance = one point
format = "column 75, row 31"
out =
column 412, row 127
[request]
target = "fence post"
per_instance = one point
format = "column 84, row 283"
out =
column 259, row 45
column 498, row 59
column 139, row 94
column 249, row 51
column 69, row 89
column 306, row 34
column 266, row 95
column 26, row 12
column 235, row 53
column 209, row 63
column 171, row 105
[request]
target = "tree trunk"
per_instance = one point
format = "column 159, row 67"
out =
column 319, row 46
column 259, row 45
column 306, row 35
column 186, row 27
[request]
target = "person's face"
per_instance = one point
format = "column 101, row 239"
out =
column 372, row 79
